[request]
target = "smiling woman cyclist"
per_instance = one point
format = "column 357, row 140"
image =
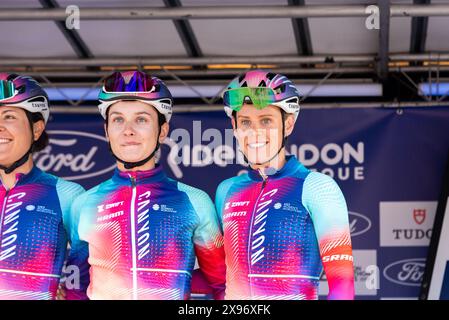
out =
column 143, row 228
column 35, row 220
column 282, row 223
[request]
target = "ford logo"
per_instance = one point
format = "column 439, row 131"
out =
column 358, row 223
column 75, row 155
column 407, row 272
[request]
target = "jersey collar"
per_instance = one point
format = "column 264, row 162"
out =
column 290, row 166
column 147, row 176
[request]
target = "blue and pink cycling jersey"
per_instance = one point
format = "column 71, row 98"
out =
column 281, row 230
column 35, row 227
column 144, row 231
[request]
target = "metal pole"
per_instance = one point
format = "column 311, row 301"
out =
column 204, row 12
column 128, row 61
column 221, row 12
column 218, row 107
column 277, row 60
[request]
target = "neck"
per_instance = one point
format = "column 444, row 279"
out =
column 9, row 180
column 277, row 163
column 147, row 166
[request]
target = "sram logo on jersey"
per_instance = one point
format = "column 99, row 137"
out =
column 10, row 224
column 338, row 257
column 91, row 158
column 258, row 226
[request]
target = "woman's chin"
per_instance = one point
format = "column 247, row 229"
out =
column 127, row 158
column 258, row 159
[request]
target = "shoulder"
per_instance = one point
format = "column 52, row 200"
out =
column 321, row 192
column 195, row 195
column 69, row 187
column 320, row 182
column 92, row 193
column 225, row 185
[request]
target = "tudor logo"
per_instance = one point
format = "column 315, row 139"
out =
column 419, row 215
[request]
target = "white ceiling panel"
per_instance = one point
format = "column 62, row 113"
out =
column 400, row 29
column 37, row 39
column 342, row 36
column 245, row 37
column 132, row 38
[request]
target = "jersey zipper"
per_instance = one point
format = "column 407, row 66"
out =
column 133, row 236
column 264, row 182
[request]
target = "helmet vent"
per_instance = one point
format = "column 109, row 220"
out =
column 279, row 89
column 21, row 89
column 12, row 76
column 292, row 100
column 270, row 75
column 166, row 101
column 262, row 84
column 37, row 99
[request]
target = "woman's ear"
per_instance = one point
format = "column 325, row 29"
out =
column 289, row 124
column 106, row 131
column 164, row 132
column 38, row 128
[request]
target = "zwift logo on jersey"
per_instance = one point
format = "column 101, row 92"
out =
column 107, row 206
column 236, row 204
column 75, row 155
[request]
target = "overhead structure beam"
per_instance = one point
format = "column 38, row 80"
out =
column 301, row 30
column 185, row 31
column 129, row 61
column 72, row 36
column 231, row 60
column 419, row 30
column 384, row 39
column 222, row 12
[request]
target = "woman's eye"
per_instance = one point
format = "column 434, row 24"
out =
column 245, row 123
column 266, row 121
column 117, row 120
column 141, row 120
column 9, row 117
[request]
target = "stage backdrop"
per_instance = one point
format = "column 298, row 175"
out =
column 389, row 164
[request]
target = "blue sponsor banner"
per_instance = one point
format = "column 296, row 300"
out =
column 389, row 164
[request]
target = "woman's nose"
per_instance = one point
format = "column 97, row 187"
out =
column 128, row 130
